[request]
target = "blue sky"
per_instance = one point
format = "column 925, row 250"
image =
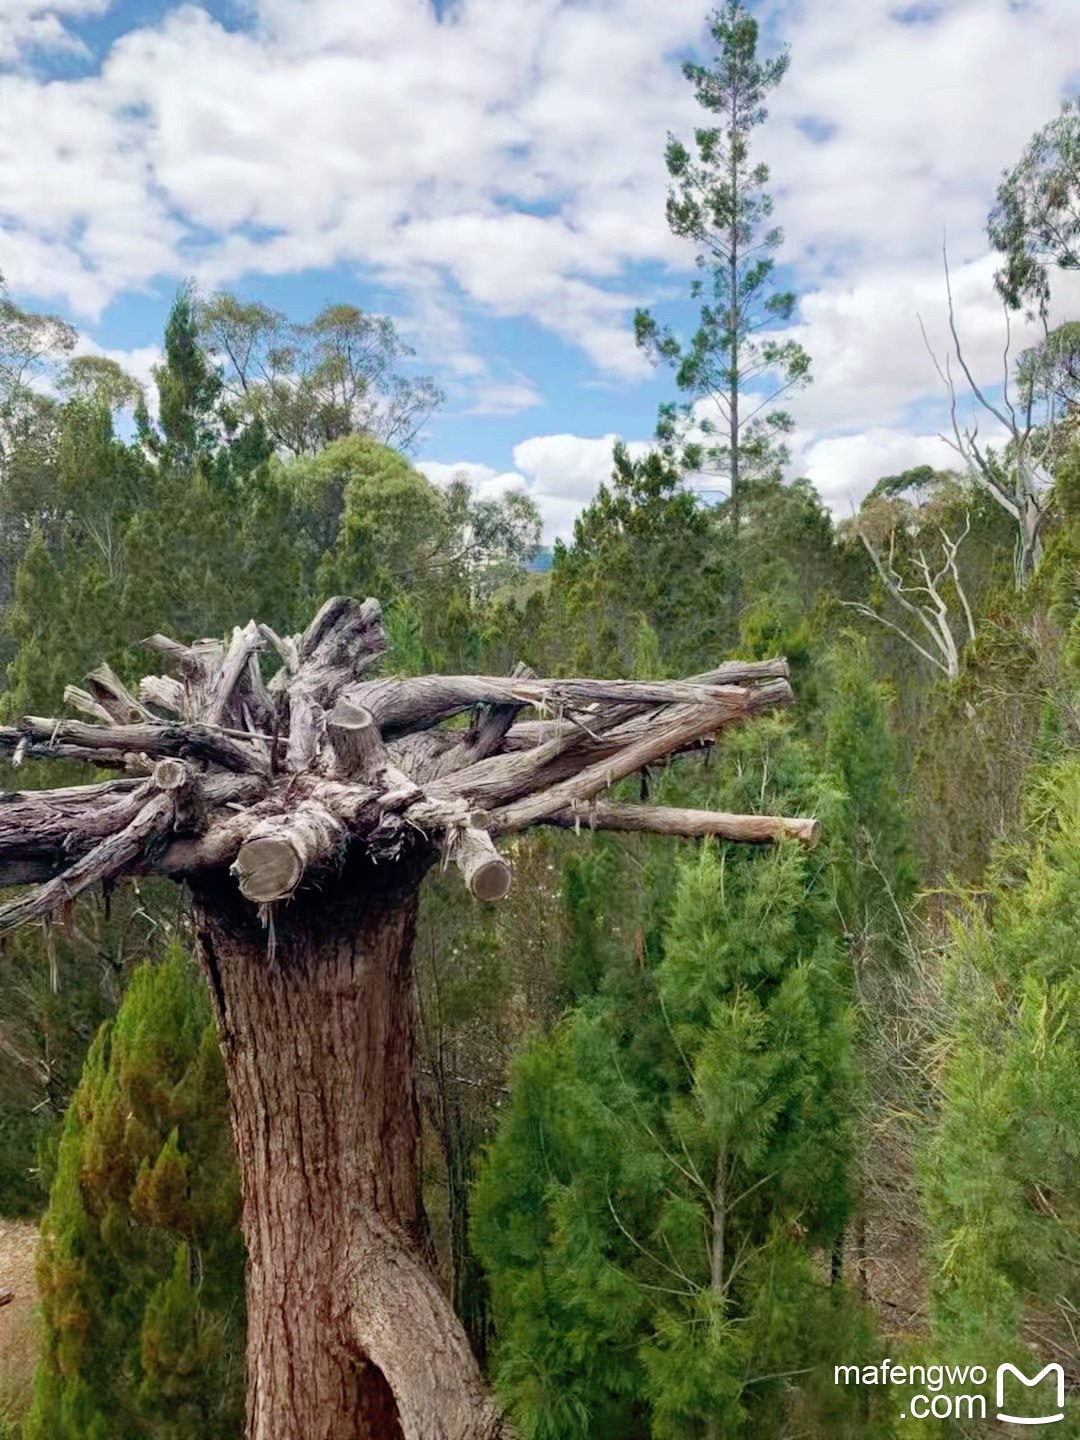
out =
column 492, row 177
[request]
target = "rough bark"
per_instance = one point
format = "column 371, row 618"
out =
column 349, row 1335
column 303, row 811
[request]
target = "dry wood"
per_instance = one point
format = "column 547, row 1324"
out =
column 664, row 735
column 354, row 739
column 113, row 695
column 164, row 692
column 662, row 820
column 220, row 704
column 82, row 700
column 190, row 811
column 42, row 831
column 272, row 860
column 402, row 705
column 487, row 873
column 325, row 619
column 158, row 739
column 112, row 856
column 504, row 778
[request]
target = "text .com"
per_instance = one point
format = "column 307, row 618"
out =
column 1020, row 1399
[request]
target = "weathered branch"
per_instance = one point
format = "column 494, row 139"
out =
column 403, row 705
column 217, row 798
column 354, row 739
column 178, row 779
column 487, row 873
column 158, row 740
column 660, row 820
column 665, row 734
column 272, row 860
column 113, row 855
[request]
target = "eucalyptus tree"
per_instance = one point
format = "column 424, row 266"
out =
column 311, row 383
column 731, row 367
column 1035, row 223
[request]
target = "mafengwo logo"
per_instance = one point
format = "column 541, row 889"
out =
column 942, row 1398
column 1059, row 1375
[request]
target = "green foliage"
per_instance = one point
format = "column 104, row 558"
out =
column 644, row 549
column 1034, row 223
column 1001, row 1173
column 311, row 384
column 678, row 1148
column 141, row 1266
column 877, row 871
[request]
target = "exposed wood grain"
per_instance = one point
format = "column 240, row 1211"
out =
column 487, row 874
column 355, row 742
column 273, row 858
column 664, row 820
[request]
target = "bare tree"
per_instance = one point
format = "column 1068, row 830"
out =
column 1019, row 481
column 303, row 814
column 927, row 595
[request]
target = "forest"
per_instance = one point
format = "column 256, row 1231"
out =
column 717, row 1139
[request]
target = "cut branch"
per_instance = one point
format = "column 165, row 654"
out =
column 666, row 734
column 273, row 859
column 157, row 740
column 355, row 742
column 658, row 820
column 487, row 874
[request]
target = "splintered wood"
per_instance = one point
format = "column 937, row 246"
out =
column 274, row 780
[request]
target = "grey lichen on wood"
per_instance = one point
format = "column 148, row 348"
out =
column 276, row 779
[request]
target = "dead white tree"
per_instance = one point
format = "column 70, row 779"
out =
column 1019, row 483
column 925, row 599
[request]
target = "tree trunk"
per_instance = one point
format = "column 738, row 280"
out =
column 349, row 1335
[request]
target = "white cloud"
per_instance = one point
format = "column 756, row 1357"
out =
column 845, row 468
column 27, row 25
column 365, row 133
column 373, row 134
column 486, row 483
column 508, row 398
column 561, row 473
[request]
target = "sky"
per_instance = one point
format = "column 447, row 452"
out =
column 490, row 174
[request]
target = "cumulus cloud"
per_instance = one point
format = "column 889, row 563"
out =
column 561, row 473
column 28, row 25
column 330, row 131
column 506, row 161
column 508, row 398
column 845, row 468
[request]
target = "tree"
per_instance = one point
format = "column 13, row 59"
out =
column 719, row 202
column 674, row 1151
column 141, row 1264
column 33, row 348
column 645, row 547
column 303, row 814
column 96, row 377
column 371, row 522
column 915, row 560
column 312, row 384
column 1036, row 220
column 30, row 344
column 999, row 1181
column 1018, row 480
